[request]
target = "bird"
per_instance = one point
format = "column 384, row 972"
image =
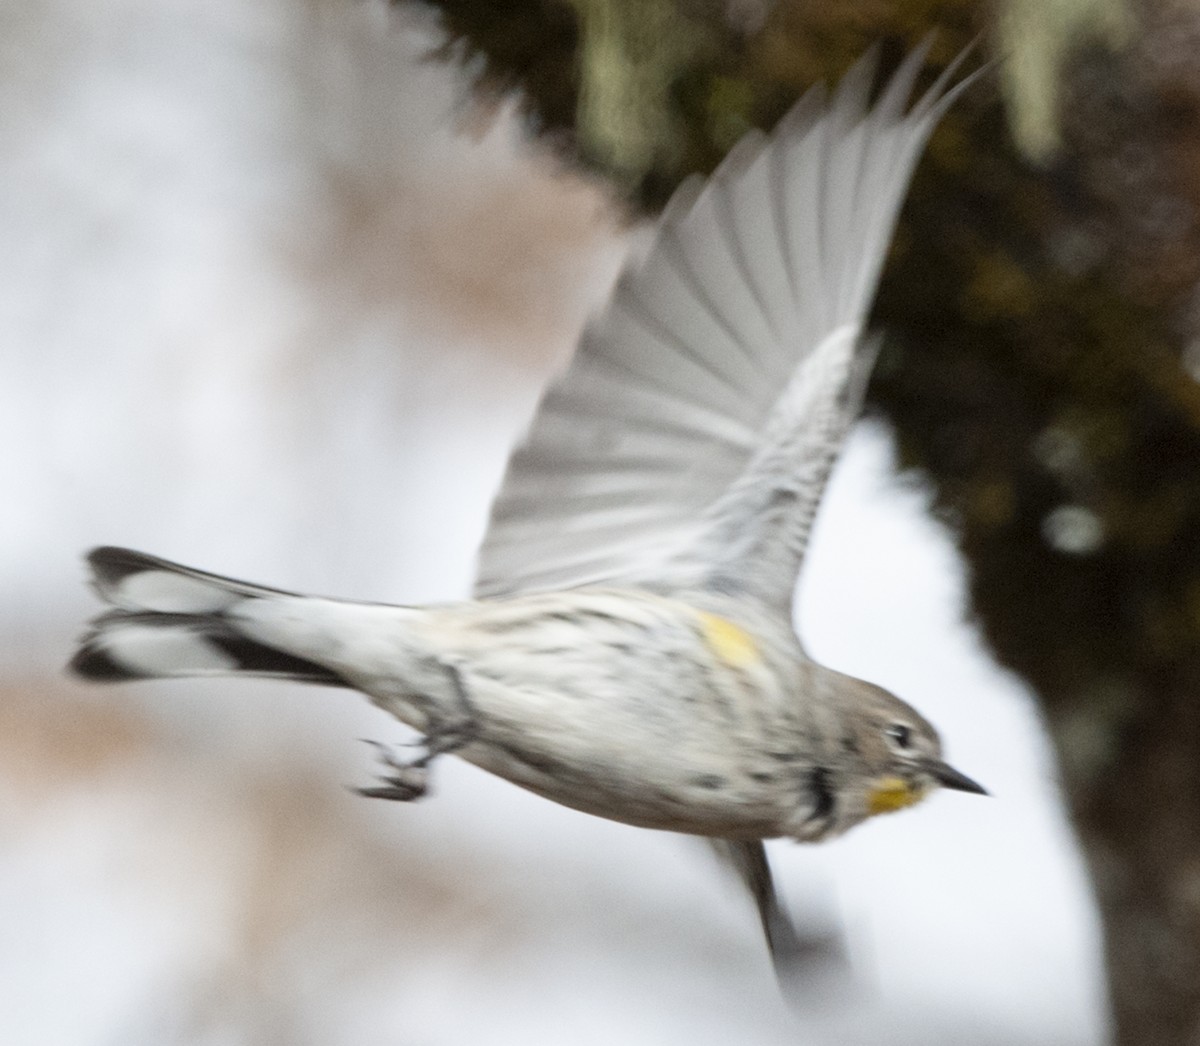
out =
column 629, row 648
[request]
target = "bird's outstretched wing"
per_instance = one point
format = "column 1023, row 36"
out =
column 731, row 347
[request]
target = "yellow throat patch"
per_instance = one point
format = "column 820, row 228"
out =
column 893, row 793
column 732, row 644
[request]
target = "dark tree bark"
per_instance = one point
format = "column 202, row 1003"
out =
column 1041, row 318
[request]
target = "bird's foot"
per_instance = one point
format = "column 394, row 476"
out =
column 408, row 779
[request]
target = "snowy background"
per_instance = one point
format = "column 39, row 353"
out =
column 274, row 301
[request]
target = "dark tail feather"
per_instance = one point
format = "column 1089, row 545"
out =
column 169, row 621
column 135, row 581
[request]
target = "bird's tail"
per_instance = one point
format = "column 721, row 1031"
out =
column 170, row 620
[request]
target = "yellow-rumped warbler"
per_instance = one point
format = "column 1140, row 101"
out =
column 631, row 650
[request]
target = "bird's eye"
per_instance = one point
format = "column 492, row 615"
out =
column 900, row 736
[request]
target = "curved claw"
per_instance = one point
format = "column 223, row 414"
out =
column 407, row 784
column 408, row 781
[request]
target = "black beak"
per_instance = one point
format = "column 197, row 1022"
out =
column 948, row 777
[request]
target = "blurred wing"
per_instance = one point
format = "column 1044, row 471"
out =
column 669, row 395
column 795, row 956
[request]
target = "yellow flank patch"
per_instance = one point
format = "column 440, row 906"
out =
column 731, row 643
column 893, row 793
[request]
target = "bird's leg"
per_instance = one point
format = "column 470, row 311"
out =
column 448, row 731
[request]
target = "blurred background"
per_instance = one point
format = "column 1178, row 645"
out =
column 282, row 282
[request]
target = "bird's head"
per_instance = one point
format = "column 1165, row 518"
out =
column 886, row 757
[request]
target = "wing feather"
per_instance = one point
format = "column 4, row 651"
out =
column 691, row 385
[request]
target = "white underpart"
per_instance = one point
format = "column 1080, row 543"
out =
column 362, row 637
